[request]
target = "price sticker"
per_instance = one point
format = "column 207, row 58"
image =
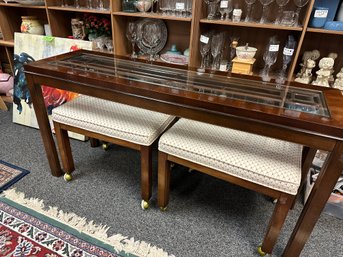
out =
column 273, row 48
column 224, row 4
column 288, row 51
column 204, row 39
column 321, row 13
column 180, row 6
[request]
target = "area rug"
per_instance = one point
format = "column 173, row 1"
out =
column 10, row 174
column 28, row 228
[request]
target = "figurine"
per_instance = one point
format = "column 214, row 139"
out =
column 305, row 73
column 334, row 57
column 323, row 75
column 339, row 80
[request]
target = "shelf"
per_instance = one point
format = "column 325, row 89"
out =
column 6, row 43
column 325, row 31
column 251, row 24
column 24, row 6
column 153, row 16
column 83, row 10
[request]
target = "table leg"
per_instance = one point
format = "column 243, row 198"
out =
column 316, row 201
column 44, row 126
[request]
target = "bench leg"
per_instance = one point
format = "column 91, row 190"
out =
column 64, row 148
column 277, row 220
column 146, row 172
column 163, row 180
column 94, row 142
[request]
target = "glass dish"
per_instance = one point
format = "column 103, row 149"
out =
column 160, row 37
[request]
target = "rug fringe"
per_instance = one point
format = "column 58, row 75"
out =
column 98, row 231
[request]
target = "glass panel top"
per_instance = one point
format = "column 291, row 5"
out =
column 291, row 98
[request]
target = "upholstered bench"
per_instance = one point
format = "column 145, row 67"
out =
column 265, row 165
column 112, row 122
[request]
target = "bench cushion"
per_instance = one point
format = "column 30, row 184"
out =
column 262, row 160
column 113, row 119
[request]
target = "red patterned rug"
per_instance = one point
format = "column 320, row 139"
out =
column 28, row 229
column 10, row 174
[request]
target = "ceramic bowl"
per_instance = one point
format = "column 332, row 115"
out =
column 140, row 5
column 243, row 52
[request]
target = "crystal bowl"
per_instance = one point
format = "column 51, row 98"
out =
column 244, row 52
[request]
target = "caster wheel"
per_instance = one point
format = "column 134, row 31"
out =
column 144, row 205
column 164, row 208
column 105, row 146
column 274, row 201
column 260, row 252
column 67, row 177
column 172, row 165
column 190, row 170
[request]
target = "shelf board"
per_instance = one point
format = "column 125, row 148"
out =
column 83, row 10
column 325, row 31
column 153, row 16
column 6, row 43
column 23, row 6
column 251, row 24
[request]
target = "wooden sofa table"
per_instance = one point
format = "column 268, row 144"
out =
column 311, row 116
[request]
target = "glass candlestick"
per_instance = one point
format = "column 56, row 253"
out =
column 288, row 51
column 270, row 57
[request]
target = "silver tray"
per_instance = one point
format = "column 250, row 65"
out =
column 163, row 35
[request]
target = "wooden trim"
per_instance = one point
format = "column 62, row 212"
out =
column 102, row 137
column 224, row 176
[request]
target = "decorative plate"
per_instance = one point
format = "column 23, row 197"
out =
column 161, row 35
column 175, row 59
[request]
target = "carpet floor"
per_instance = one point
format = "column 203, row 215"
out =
column 205, row 216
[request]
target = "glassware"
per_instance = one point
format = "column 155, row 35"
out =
column 77, row 4
column 281, row 4
column 128, row 6
column 224, row 4
column 205, row 46
column 151, row 36
column 212, row 8
column 89, row 4
column 300, row 4
column 179, row 8
column 288, row 51
column 217, row 44
column 288, row 18
column 249, row 7
column 228, row 10
column 132, row 36
column 270, row 57
column 152, row 6
column 236, row 15
column 101, row 5
column 265, row 9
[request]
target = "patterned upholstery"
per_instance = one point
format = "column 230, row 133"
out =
column 265, row 161
column 112, row 119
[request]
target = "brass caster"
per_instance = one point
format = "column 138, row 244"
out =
column 105, row 146
column 190, row 170
column 67, row 177
column 172, row 165
column 275, row 201
column 260, row 252
column 164, row 208
column 144, row 205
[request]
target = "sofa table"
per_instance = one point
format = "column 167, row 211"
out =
column 311, row 116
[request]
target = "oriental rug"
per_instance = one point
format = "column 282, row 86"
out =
column 10, row 174
column 28, row 228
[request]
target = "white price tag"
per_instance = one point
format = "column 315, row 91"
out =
column 224, row 4
column 204, row 39
column 321, row 13
column 288, row 51
column 273, row 48
column 180, row 6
